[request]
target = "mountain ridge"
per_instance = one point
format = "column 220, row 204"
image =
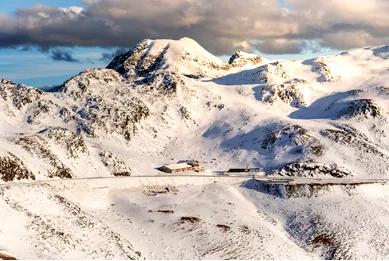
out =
column 167, row 94
column 319, row 128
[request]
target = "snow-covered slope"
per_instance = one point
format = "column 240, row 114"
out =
column 171, row 100
column 182, row 218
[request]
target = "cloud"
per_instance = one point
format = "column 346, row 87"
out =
column 58, row 54
column 281, row 46
column 221, row 26
column 109, row 56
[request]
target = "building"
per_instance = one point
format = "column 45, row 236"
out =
column 188, row 166
column 238, row 170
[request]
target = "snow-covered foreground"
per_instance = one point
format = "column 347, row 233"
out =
column 181, row 218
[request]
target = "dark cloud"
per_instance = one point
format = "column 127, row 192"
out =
column 221, row 26
column 25, row 48
column 110, row 55
column 58, row 54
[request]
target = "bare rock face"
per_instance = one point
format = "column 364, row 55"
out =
column 39, row 147
column 349, row 136
column 116, row 166
column 12, row 168
column 382, row 52
column 104, row 103
column 240, row 59
column 271, row 73
column 290, row 190
column 90, row 82
column 365, row 108
column 306, row 169
column 326, row 74
column 166, row 82
column 137, row 62
column 73, row 143
column 17, row 97
column 287, row 92
column 295, row 137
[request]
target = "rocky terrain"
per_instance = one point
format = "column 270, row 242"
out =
column 171, row 100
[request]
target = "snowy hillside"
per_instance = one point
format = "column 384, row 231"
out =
column 171, row 100
column 324, row 116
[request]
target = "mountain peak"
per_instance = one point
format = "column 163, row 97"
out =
column 184, row 56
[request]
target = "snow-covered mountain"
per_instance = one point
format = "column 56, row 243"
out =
column 171, row 100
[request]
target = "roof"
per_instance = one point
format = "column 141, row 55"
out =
column 178, row 166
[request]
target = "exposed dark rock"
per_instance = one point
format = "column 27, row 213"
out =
column 184, row 113
column 115, row 165
column 12, row 168
column 361, row 107
column 39, row 147
column 293, row 135
column 224, row 228
column 241, row 58
column 190, row 220
column 349, row 136
column 166, row 81
column 305, row 169
column 266, row 72
column 326, row 75
column 20, row 95
column 287, row 92
column 382, row 52
column 74, row 144
column 137, row 62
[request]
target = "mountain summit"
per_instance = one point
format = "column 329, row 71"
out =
column 185, row 56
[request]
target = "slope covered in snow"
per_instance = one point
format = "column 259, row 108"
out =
column 154, row 102
column 171, row 100
column 182, row 218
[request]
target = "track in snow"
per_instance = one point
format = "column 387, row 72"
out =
column 259, row 178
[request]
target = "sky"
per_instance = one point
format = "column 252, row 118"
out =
column 44, row 42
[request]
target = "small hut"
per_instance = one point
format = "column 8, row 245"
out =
column 187, row 166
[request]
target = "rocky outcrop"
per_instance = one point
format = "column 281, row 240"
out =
column 12, row 169
column 271, row 73
column 364, row 108
column 74, row 144
column 137, row 62
column 164, row 81
column 116, row 166
column 306, row 169
column 382, row 52
column 296, row 138
column 240, row 59
column 287, row 92
column 18, row 95
column 349, row 136
column 326, row 74
column 39, row 147
column 104, row 103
